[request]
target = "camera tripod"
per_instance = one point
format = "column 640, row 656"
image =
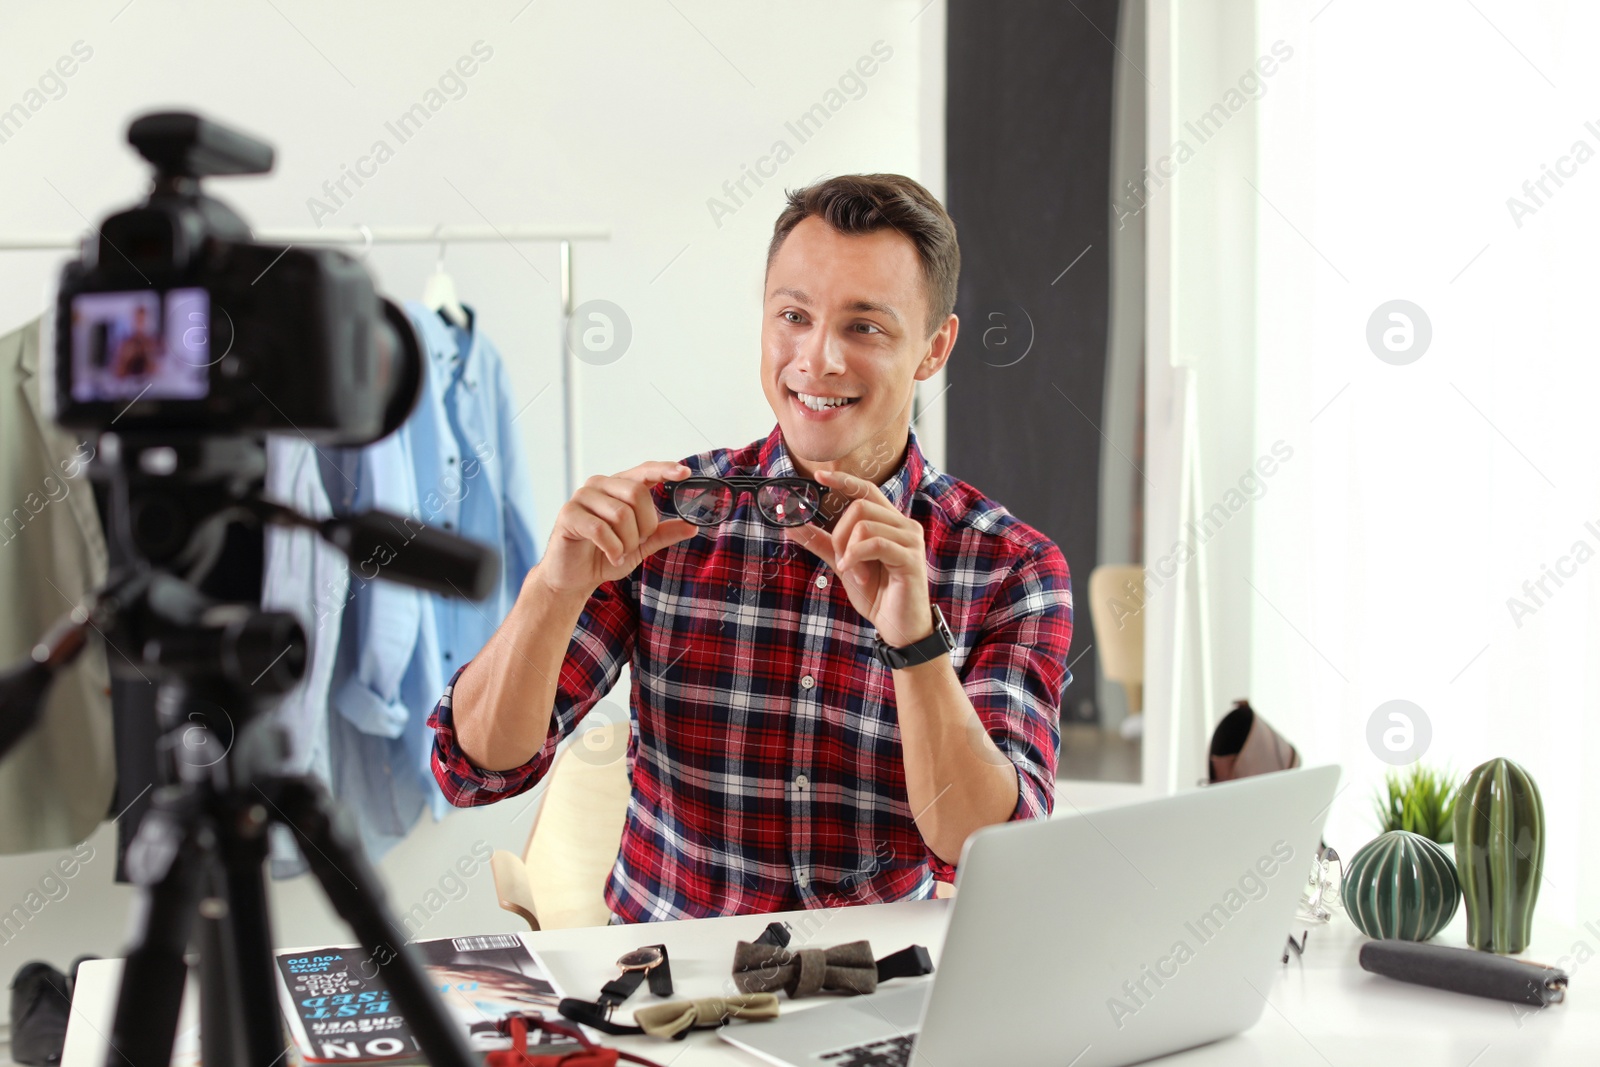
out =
column 200, row 851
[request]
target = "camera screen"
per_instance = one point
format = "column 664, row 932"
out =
column 141, row 344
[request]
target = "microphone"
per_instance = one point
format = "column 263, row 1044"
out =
column 399, row 549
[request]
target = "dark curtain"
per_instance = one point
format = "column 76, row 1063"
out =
column 1028, row 149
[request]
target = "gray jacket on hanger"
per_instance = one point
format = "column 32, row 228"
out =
column 56, row 784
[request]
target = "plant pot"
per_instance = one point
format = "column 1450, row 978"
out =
column 1401, row 886
column 1499, row 831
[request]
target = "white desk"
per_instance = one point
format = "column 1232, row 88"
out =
column 1322, row 1010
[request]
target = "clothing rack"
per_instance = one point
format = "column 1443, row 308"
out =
column 442, row 235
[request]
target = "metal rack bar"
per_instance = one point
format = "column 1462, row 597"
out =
column 378, row 235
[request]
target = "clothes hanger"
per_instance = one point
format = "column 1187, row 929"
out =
column 439, row 294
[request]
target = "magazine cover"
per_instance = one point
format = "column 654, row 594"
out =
column 339, row 1010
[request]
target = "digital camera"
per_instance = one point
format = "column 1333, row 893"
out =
column 175, row 321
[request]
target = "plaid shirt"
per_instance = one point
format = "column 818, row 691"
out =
column 765, row 755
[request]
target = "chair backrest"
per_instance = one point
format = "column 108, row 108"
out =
column 559, row 881
column 578, row 829
column 1116, row 606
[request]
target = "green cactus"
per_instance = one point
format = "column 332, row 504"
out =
column 1499, row 831
column 1401, row 885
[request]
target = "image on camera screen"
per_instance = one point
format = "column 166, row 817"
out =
column 141, row 344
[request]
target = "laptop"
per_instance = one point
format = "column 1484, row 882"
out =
column 1090, row 940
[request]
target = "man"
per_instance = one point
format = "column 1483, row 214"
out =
column 139, row 351
column 776, row 761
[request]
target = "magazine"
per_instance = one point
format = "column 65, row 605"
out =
column 338, row 1009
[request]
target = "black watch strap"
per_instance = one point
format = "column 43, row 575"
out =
column 621, row 987
column 661, row 975
column 931, row 647
column 592, row 1013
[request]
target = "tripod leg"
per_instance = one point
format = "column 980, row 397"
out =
column 246, row 926
column 220, row 1040
column 170, row 867
column 353, row 888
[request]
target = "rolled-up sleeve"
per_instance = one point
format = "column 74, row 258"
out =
column 601, row 643
column 1016, row 674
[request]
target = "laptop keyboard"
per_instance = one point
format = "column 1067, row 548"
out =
column 890, row 1052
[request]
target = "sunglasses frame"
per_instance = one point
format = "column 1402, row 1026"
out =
column 740, row 484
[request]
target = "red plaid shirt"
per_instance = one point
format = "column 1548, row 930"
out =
column 765, row 754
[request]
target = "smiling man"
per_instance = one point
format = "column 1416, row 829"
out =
column 821, row 713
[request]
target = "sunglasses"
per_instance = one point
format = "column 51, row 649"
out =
column 783, row 501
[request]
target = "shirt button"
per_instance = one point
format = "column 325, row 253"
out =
column 803, row 878
column 807, row 682
column 822, row 581
column 802, row 781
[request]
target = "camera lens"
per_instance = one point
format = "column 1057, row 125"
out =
column 399, row 366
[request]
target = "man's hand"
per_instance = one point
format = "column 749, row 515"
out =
column 878, row 553
column 608, row 528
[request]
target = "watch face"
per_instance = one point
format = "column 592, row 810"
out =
column 639, row 959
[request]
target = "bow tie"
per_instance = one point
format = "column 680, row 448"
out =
column 848, row 968
column 675, row 1018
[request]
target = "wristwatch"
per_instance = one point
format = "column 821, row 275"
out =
column 647, row 962
column 934, row 645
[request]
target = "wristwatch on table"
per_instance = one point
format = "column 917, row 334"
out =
column 647, row 962
column 934, row 645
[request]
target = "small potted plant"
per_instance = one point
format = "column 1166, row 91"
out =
column 1420, row 801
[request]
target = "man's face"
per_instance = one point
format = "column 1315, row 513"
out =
column 844, row 327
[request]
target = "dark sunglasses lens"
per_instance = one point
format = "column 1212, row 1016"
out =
column 701, row 502
column 788, row 504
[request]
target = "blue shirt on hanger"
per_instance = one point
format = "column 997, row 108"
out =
column 456, row 464
column 472, row 478
column 387, row 660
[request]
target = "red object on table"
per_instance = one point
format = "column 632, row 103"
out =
column 590, row 1055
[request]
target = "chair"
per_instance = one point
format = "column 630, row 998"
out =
column 559, row 880
column 1116, row 607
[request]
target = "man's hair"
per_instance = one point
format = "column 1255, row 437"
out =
column 855, row 204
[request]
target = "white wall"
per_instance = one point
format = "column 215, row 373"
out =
column 1395, row 552
column 1389, row 554
column 1424, row 495
column 624, row 114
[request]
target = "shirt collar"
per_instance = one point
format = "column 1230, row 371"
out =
column 773, row 461
column 444, row 342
